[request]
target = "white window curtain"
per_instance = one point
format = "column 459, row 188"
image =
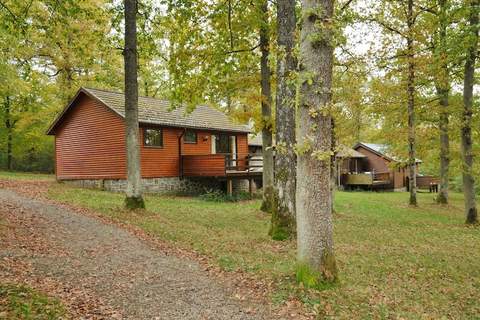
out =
column 214, row 144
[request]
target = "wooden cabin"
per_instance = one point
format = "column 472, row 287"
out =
column 179, row 151
column 374, row 167
column 255, row 144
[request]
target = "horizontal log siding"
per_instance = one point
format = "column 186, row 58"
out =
column 242, row 150
column 242, row 144
column 204, row 166
column 203, row 145
column 90, row 143
column 161, row 162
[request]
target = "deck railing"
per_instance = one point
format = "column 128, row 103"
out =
column 220, row 165
column 243, row 162
column 367, row 178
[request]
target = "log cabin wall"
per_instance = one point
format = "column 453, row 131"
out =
column 90, row 142
column 373, row 162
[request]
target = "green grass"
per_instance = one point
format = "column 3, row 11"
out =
column 19, row 302
column 15, row 175
column 394, row 261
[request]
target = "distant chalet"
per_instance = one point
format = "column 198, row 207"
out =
column 176, row 147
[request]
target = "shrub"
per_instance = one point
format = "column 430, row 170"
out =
column 216, row 195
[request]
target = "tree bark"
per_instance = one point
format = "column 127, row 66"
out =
column 134, row 199
column 411, row 107
column 313, row 197
column 469, row 80
column 9, row 127
column 283, row 211
column 266, row 94
column 443, row 90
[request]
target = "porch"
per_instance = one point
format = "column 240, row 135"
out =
column 371, row 180
column 226, row 167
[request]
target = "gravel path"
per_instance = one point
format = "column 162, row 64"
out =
column 122, row 270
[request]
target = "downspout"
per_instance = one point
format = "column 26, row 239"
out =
column 180, row 165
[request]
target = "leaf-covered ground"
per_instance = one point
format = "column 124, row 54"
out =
column 102, row 271
column 395, row 261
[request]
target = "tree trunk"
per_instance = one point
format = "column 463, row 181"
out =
column 469, row 80
column 444, row 147
column 266, row 93
column 411, row 108
column 314, row 198
column 134, row 197
column 9, row 127
column 443, row 89
column 283, row 211
column 333, row 164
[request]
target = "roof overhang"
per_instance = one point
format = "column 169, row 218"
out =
column 71, row 103
column 380, row 154
column 358, row 145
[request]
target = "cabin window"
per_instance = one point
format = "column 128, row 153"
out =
column 222, row 143
column 190, row 136
column 153, row 137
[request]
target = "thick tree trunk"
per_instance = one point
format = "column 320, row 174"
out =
column 9, row 127
column 444, row 147
column 133, row 198
column 314, row 198
column 443, row 89
column 266, row 112
column 283, row 211
column 469, row 80
column 411, row 109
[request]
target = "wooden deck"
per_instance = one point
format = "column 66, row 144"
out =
column 226, row 167
column 368, row 180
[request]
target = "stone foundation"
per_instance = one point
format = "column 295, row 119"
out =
column 166, row 185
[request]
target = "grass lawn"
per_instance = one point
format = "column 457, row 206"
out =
column 18, row 302
column 394, row 261
column 13, row 175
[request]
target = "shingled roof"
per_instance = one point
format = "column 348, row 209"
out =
column 381, row 150
column 157, row 111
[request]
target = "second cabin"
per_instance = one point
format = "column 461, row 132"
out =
column 371, row 166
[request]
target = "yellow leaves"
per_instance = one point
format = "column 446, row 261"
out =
column 322, row 155
column 281, row 147
column 304, row 146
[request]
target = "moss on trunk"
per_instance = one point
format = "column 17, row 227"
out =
column 323, row 277
column 267, row 203
column 472, row 216
column 133, row 203
column 283, row 225
column 442, row 198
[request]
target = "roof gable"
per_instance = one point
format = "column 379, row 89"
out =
column 158, row 112
column 381, row 150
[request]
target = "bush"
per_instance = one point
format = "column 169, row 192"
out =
column 216, row 195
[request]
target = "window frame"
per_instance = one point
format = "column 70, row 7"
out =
column 185, row 136
column 227, row 135
column 145, row 129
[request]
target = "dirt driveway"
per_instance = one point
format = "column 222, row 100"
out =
column 102, row 271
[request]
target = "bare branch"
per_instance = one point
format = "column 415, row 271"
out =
column 8, row 10
column 242, row 50
column 346, row 4
column 387, row 26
